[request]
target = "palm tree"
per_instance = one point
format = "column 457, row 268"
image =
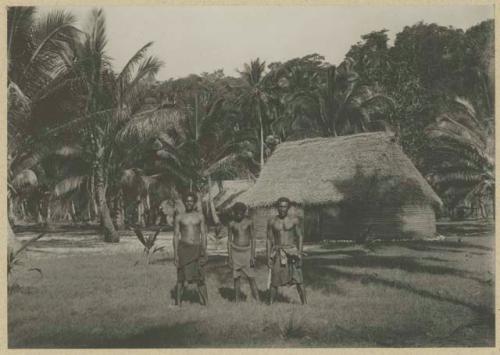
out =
column 254, row 99
column 195, row 142
column 462, row 149
column 39, row 51
column 340, row 104
column 105, row 102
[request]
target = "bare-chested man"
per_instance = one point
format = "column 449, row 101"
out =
column 241, row 249
column 284, row 250
column 190, row 251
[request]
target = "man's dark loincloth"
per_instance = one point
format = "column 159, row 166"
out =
column 240, row 257
column 191, row 262
column 286, row 267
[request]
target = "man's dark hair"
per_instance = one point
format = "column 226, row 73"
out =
column 190, row 194
column 283, row 199
column 239, row 207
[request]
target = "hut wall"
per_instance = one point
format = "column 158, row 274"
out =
column 389, row 222
column 418, row 221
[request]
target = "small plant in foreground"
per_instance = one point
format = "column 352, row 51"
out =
column 148, row 242
column 13, row 255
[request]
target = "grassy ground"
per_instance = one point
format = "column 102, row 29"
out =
column 391, row 294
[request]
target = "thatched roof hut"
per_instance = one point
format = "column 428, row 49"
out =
column 329, row 176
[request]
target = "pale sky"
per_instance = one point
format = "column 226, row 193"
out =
column 195, row 39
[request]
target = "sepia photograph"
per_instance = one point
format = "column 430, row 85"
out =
column 250, row 176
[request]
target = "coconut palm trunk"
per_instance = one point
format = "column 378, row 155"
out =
column 110, row 233
column 213, row 212
column 259, row 113
column 93, row 210
column 11, row 211
column 119, row 213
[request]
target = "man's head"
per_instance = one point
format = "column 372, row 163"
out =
column 189, row 201
column 239, row 211
column 283, row 205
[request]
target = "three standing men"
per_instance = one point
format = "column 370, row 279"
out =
column 284, row 250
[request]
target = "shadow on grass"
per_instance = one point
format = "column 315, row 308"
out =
column 362, row 259
column 190, row 294
column 437, row 246
column 230, row 295
column 327, row 267
column 168, row 336
column 185, row 335
column 478, row 228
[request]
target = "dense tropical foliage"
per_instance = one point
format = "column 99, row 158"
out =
column 89, row 143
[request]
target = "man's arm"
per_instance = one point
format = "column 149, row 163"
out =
column 300, row 235
column 229, row 241
column 252, row 242
column 203, row 231
column 269, row 241
column 177, row 232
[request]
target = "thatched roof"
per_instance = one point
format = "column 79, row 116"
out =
column 307, row 171
column 232, row 189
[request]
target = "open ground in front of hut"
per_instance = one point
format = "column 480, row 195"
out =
column 400, row 294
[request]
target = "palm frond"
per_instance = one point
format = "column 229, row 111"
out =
column 28, row 243
column 125, row 75
column 96, row 30
column 140, row 236
column 54, row 24
column 24, row 179
column 69, row 151
column 149, row 124
column 219, row 164
column 69, row 185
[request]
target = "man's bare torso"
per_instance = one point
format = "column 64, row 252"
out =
column 283, row 230
column 241, row 232
column 190, row 227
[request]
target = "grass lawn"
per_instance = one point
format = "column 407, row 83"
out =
column 393, row 294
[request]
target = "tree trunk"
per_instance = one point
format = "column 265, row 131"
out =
column 119, row 215
column 140, row 213
column 220, row 185
column 23, row 210
column 39, row 207
column 93, row 208
column 261, row 137
column 11, row 213
column 213, row 212
column 110, row 233
column 73, row 212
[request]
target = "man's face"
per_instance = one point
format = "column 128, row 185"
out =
column 189, row 203
column 239, row 215
column 283, row 209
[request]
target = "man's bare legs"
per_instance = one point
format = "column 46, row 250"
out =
column 302, row 293
column 273, row 294
column 237, row 291
column 253, row 288
column 202, row 291
column 179, row 290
